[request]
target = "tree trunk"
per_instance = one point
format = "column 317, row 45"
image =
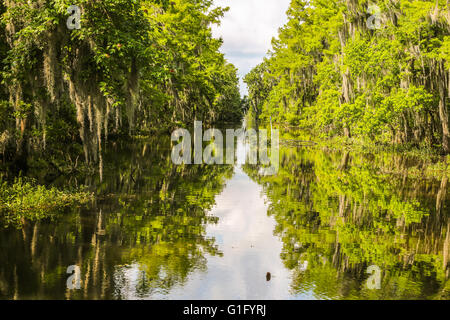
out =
column 347, row 133
column 443, row 112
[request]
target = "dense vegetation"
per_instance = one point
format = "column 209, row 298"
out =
column 342, row 67
column 137, row 67
column 133, row 66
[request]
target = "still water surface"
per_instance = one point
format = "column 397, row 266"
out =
column 160, row 231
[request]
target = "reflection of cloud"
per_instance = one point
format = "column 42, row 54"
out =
column 244, row 234
column 249, row 247
column 247, row 30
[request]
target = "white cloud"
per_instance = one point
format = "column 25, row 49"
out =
column 247, row 30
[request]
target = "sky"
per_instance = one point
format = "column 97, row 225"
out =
column 247, row 31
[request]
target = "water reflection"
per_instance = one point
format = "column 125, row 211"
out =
column 161, row 231
column 339, row 213
column 152, row 214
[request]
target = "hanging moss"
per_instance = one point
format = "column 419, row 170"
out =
column 123, row 69
column 389, row 83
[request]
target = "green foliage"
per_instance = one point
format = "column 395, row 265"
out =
column 343, row 212
column 140, row 65
column 25, row 200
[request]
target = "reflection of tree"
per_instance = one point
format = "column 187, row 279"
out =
column 150, row 214
column 344, row 212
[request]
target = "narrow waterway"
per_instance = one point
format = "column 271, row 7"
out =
column 249, row 250
column 161, row 231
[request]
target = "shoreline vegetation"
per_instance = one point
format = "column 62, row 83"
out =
column 429, row 162
column 25, row 200
column 332, row 72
